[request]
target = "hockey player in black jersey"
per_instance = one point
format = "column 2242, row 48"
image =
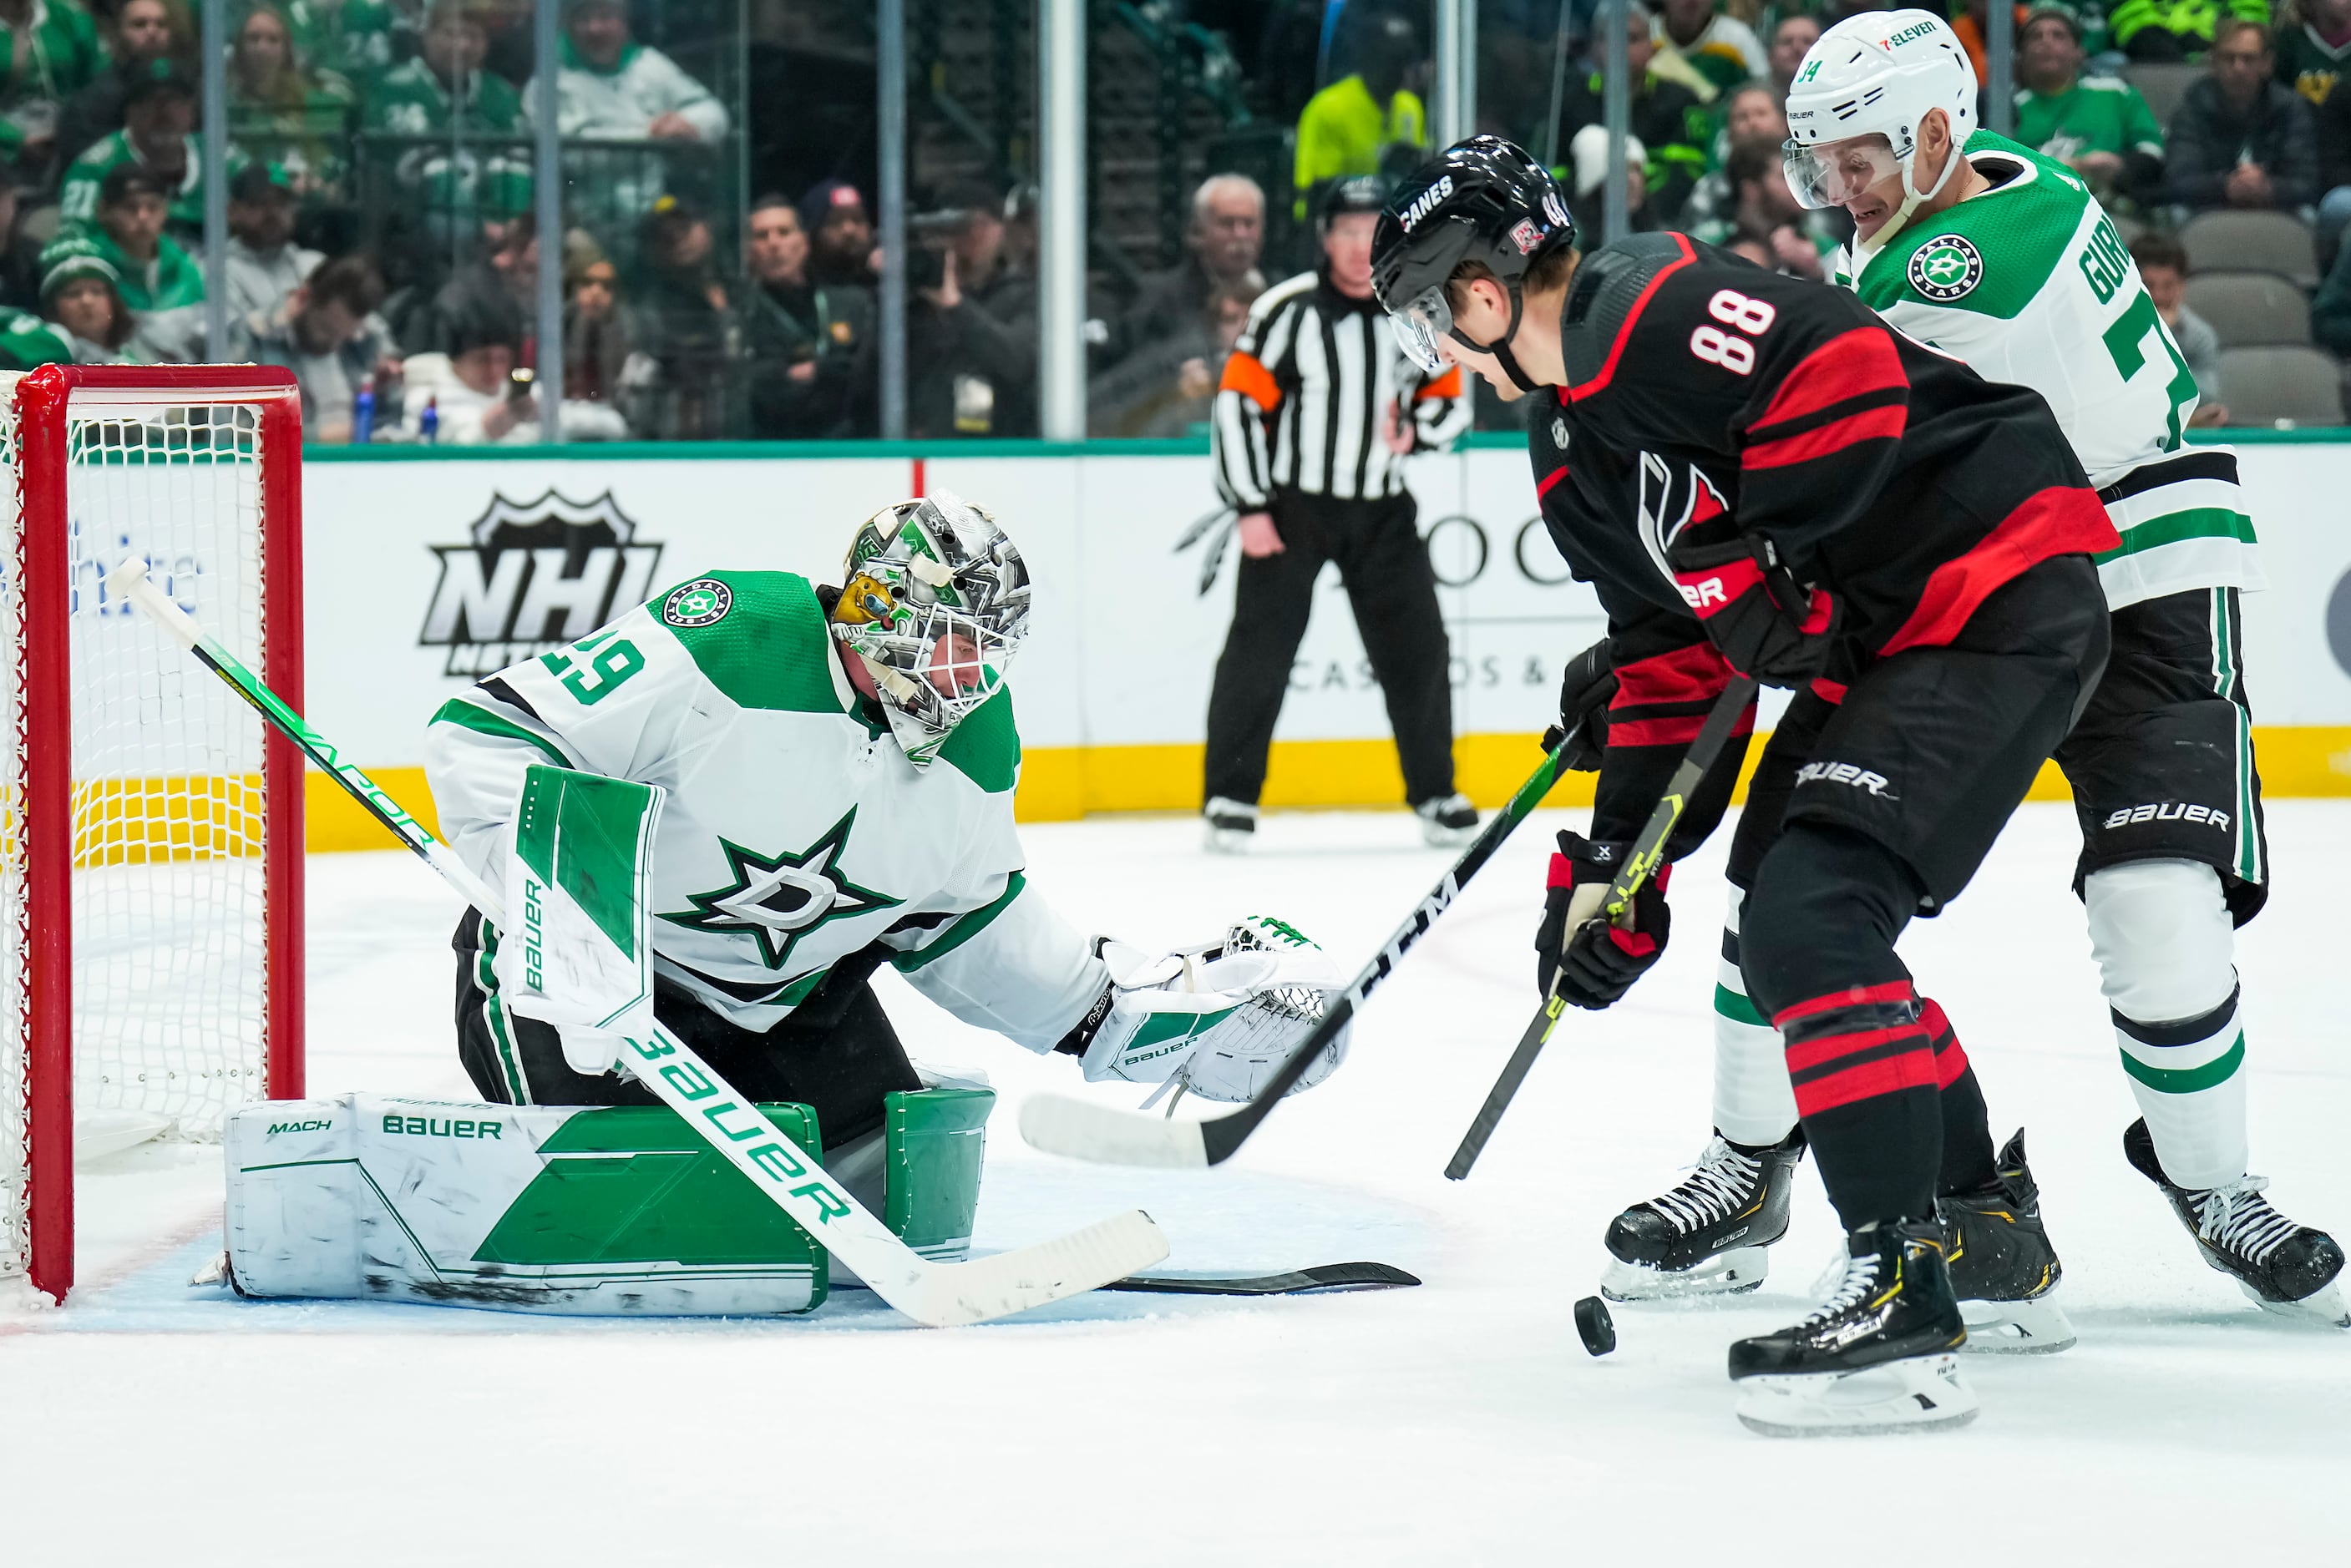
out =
column 1759, row 476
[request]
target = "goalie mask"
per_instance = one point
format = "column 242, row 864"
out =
column 935, row 601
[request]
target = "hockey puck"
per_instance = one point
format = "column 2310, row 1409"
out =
column 1592, row 1322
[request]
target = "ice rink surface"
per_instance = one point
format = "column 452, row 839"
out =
column 1457, row 1422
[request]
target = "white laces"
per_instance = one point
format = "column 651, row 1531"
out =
column 1860, row 1280
column 2238, row 1219
column 1717, row 1185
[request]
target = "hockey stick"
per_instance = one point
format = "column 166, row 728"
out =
column 938, row 1295
column 1323, row 1279
column 1084, row 1130
column 1647, row 849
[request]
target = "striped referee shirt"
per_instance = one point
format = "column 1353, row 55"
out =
column 1301, row 401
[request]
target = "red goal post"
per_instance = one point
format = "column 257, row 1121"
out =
column 150, row 850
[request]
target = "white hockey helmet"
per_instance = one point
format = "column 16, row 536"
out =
column 1879, row 73
column 935, row 603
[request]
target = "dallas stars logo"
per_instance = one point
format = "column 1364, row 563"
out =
column 1946, row 267
column 780, row 898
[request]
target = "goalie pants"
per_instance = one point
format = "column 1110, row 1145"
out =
column 836, row 1054
column 1383, row 564
column 1872, row 805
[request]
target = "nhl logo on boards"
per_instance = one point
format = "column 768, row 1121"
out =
column 1525, row 235
column 698, row 603
column 531, row 577
column 1946, row 267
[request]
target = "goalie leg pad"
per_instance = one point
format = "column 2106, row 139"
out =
column 2164, row 939
column 597, row 1211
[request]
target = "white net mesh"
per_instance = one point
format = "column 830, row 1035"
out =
column 168, row 810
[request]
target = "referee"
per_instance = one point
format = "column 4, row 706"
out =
column 1316, row 413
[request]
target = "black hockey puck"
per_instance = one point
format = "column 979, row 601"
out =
column 1592, row 1322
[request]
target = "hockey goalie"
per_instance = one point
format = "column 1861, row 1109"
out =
column 725, row 811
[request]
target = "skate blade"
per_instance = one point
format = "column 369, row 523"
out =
column 1734, row 1273
column 2322, row 1308
column 1922, row 1394
column 2037, row 1327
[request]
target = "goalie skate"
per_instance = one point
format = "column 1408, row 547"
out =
column 2003, row 1269
column 2284, row 1267
column 1707, row 1235
column 1875, row 1356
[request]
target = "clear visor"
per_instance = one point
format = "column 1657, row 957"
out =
column 1835, row 173
column 1418, row 324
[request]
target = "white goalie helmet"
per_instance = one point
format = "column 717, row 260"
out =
column 1879, row 74
column 936, row 602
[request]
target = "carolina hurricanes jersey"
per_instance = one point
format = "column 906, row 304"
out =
column 796, row 832
column 1705, row 392
column 2028, row 282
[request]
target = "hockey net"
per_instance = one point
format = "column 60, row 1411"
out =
column 150, row 829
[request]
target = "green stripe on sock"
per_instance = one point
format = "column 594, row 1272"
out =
column 2188, row 1080
column 2195, row 522
column 1736, row 1008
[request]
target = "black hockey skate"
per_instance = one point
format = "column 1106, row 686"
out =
column 1876, row 1356
column 2003, row 1269
column 2288, row 1268
column 1706, row 1236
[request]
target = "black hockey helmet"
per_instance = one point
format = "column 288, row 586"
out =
column 1484, row 200
column 1354, row 194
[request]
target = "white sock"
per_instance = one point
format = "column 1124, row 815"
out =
column 2161, row 933
column 1753, row 1101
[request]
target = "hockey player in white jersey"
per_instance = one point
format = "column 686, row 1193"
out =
column 2003, row 259
column 839, row 766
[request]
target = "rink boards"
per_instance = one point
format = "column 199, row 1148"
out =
column 425, row 571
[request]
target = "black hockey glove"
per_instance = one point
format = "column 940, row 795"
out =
column 1766, row 624
column 1601, row 962
column 1584, row 693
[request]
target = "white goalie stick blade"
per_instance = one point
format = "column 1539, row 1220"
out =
column 1079, row 1130
column 948, row 1295
column 2037, row 1327
column 1920, row 1394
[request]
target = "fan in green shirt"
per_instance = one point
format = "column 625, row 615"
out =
column 48, row 51
column 158, row 135
column 352, row 38
column 1348, row 128
column 27, row 340
column 423, row 97
column 2311, row 57
column 2097, row 126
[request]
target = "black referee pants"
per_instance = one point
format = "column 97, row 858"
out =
column 1385, row 566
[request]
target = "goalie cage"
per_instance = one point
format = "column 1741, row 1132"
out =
column 150, row 825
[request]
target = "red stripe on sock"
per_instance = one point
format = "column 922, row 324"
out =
column 1852, row 996
column 1911, row 1069
column 1808, row 1053
column 1951, row 1060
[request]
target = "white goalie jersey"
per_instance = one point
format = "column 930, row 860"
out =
column 796, row 832
column 2030, row 284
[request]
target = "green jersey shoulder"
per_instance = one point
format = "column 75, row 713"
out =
column 1993, row 256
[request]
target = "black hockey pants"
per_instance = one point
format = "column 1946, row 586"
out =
column 1385, row 566
column 836, row 1052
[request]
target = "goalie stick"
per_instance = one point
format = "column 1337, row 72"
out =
column 1084, row 1130
column 1647, row 850
column 1321, row 1279
column 938, row 1295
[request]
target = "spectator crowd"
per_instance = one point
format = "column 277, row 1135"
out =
column 382, row 244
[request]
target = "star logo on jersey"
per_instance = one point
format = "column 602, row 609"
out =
column 780, row 898
column 698, row 603
column 1944, row 268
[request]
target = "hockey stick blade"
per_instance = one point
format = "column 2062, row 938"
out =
column 1323, row 1279
column 938, row 1295
column 1081, row 1129
column 1647, row 850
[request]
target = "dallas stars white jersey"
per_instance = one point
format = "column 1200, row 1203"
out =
column 2029, row 283
column 796, row 832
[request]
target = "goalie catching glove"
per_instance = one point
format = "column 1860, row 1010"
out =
column 1219, row 1020
column 1598, row 962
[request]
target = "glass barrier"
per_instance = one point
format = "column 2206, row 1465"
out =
column 720, row 211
